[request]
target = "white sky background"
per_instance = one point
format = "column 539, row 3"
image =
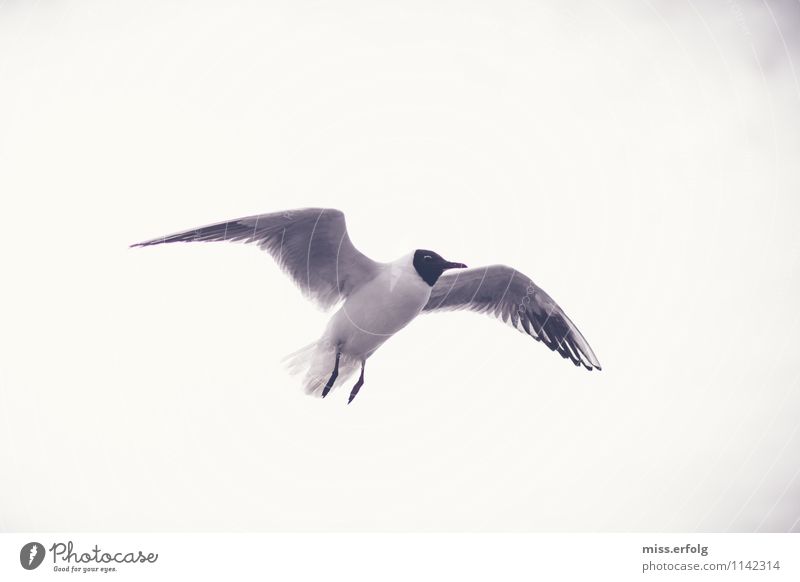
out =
column 638, row 160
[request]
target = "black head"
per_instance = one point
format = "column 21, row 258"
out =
column 430, row 266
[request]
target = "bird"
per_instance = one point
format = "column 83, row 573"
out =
column 376, row 300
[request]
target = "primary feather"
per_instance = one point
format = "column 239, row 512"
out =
column 509, row 295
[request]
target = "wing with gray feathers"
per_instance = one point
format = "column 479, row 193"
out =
column 310, row 244
column 509, row 295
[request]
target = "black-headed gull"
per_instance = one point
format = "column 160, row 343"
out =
column 379, row 299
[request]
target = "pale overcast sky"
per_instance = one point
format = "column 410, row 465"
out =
column 637, row 160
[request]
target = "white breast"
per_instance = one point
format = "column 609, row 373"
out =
column 379, row 309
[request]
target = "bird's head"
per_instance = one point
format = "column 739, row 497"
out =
column 430, row 265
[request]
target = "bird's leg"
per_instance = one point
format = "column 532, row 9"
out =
column 358, row 385
column 332, row 379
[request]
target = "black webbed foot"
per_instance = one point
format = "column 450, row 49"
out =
column 358, row 385
column 332, row 379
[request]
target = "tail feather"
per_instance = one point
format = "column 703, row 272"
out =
column 315, row 362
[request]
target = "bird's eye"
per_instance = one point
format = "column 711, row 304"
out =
column 427, row 257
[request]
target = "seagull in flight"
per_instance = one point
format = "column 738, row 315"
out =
column 379, row 299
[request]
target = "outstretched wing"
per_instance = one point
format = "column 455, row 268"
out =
column 310, row 244
column 509, row 295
